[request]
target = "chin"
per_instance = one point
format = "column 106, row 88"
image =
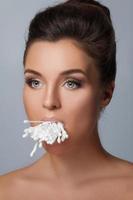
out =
column 56, row 148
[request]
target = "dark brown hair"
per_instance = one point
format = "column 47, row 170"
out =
column 86, row 21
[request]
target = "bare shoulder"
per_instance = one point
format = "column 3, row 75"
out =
column 126, row 174
column 6, row 185
column 122, row 168
column 126, row 168
column 11, row 182
column 17, row 182
column 124, row 182
column 122, row 177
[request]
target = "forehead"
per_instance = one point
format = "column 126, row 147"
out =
column 58, row 56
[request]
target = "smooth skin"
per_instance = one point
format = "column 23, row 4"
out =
column 79, row 168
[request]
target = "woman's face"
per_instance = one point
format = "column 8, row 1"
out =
column 61, row 81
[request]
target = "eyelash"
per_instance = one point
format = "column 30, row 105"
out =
column 29, row 82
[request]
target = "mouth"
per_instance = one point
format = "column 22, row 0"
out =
column 50, row 134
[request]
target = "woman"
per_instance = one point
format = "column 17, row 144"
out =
column 70, row 68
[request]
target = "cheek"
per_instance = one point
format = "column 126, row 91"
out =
column 86, row 103
column 82, row 111
column 31, row 103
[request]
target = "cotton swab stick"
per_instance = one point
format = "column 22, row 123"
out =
column 27, row 121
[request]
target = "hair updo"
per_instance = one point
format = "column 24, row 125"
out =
column 86, row 21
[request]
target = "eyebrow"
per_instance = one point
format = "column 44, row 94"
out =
column 67, row 72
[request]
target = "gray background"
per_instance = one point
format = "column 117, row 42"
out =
column 116, row 124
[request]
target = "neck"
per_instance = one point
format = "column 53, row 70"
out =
column 79, row 161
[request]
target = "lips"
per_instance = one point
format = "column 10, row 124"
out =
column 51, row 119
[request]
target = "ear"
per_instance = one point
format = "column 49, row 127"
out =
column 107, row 94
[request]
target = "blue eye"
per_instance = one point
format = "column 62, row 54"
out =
column 33, row 83
column 73, row 84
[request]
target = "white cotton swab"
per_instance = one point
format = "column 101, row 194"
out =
column 34, row 149
column 46, row 131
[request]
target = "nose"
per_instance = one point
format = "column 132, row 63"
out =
column 51, row 99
